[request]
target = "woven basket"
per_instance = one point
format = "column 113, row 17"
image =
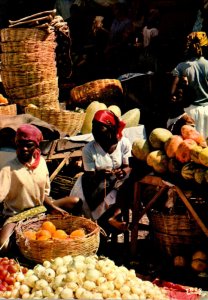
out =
column 29, row 34
column 40, row 251
column 175, row 234
column 66, row 121
column 28, row 46
column 29, row 67
column 21, row 58
column 44, row 87
column 18, row 79
column 62, row 185
column 47, row 101
column 97, row 90
column 10, row 109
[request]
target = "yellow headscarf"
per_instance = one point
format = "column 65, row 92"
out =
column 196, row 40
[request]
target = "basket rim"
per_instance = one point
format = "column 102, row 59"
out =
column 43, row 217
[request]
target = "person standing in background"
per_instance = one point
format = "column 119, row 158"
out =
column 194, row 72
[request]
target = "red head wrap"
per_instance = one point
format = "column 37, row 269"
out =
column 107, row 117
column 29, row 132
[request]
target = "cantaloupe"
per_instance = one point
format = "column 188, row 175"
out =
column 131, row 117
column 158, row 137
column 115, row 109
column 158, row 160
column 140, row 148
column 90, row 112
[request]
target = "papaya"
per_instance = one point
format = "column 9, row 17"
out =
column 158, row 137
column 172, row 144
column 158, row 160
column 131, row 117
column 183, row 152
column 92, row 108
column 203, row 157
column 140, row 148
column 189, row 132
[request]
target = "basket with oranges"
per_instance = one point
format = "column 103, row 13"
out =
column 48, row 236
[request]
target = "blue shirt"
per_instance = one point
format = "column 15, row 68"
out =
column 196, row 71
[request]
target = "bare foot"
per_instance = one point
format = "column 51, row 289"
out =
column 117, row 224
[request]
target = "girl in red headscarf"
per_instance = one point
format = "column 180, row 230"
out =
column 24, row 182
column 106, row 167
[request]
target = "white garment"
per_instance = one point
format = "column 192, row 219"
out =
column 148, row 34
column 21, row 188
column 200, row 116
column 95, row 158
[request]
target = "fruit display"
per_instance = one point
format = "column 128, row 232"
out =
column 79, row 277
column 131, row 117
column 49, row 231
column 185, row 155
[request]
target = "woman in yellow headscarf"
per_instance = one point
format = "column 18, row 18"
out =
column 194, row 72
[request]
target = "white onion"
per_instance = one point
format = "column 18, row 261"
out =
column 41, row 284
column 47, row 264
column 49, row 274
column 24, row 289
column 89, row 285
column 92, row 274
column 31, row 280
column 61, row 270
column 25, row 296
column 66, row 293
column 39, row 270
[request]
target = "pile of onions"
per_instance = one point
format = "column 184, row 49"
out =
column 83, row 277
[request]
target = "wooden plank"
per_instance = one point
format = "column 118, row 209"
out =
column 191, row 210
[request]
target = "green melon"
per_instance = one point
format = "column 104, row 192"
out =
column 140, row 148
column 131, row 117
column 158, row 137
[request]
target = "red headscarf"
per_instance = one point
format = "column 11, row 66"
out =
column 107, row 117
column 28, row 132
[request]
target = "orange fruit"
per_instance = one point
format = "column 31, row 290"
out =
column 59, row 234
column 43, row 232
column 77, row 233
column 30, row 235
column 43, row 238
column 48, row 225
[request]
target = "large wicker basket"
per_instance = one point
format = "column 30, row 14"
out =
column 10, row 109
column 40, row 251
column 67, row 121
column 43, row 87
column 12, row 79
column 27, row 46
column 19, row 58
column 21, row 34
column 46, row 101
column 97, row 90
column 175, row 234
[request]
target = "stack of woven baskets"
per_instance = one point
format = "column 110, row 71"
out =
column 29, row 73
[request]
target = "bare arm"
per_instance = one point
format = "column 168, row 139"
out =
column 174, row 88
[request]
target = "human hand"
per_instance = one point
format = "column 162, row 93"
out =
column 120, row 173
column 61, row 210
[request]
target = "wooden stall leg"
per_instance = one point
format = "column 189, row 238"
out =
column 137, row 214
